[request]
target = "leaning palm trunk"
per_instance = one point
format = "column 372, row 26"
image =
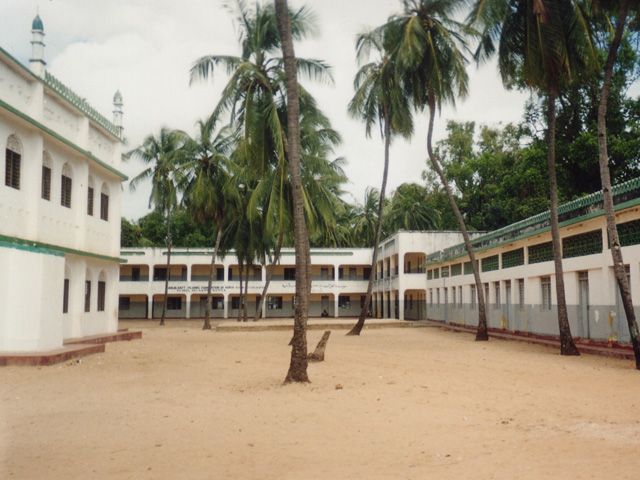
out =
column 567, row 347
column 168, row 275
column 270, row 271
column 481, row 334
column 207, row 315
column 374, row 261
column 298, row 365
column 607, row 194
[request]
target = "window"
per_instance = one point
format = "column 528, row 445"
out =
column 87, row 296
column 289, row 273
column 324, row 273
column 230, row 273
column 66, row 186
column 367, row 273
column 174, row 303
column 453, row 296
column 135, row 274
column 275, row 303
column 124, row 303
column 340, row 273
column 104, row 203
column 431, row 297
column 220, row 273
column 65, row 297
column 521, row 293
column 159, row 273
column 46, row 177
column 235, row 303
column 496, row 304
column 546, row 293
column 102, row 290
column 473, row 297
column 344, row 301
column 460, row 296
column 90, row 197
column 13, row 154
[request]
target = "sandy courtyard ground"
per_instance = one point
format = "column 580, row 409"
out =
column 415, row 403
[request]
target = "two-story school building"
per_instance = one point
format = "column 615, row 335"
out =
column 517, row 271
column 339, row 283
column 59, row 208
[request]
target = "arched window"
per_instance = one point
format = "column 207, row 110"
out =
column 104, row 202
column 87, row 292
column 67, row 177
column 13, row 156
column 65, row 294
column 102, row 291
column 90, row 196
column 47, row 166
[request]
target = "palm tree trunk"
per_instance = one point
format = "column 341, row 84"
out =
column 246, row 297
column 567, row 347
column 212, row 271
column 270, row 271
column 240, row 297
column 607, row 194
column 299, row 362
column 166, row 280
column 481, row 334
column 374, row 261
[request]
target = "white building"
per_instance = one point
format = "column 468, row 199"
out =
column 339, row 284
column 516, row 268
column 59, row 209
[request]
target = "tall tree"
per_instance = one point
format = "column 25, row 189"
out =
column 163, row 154
column 541, row 43
column 607, row 194
column 410, row 209
column 207, row 188
column 379, row 99
column 298, row 365
column 429, row 49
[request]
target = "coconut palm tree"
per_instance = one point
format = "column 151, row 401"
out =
column 298, row 365
column 379, row 99
column 409, row 209
column 206, row 184
column 607, row 193
column 430, row 47
column 164, row 154
column 544, row 43
column 365, row 219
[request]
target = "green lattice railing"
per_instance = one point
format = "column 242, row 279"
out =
column 80, row 103
column 582, row 244
column 629, row 233
column 514, row 258
column 491, row 263
column 436, row 273
column 456, row 269
column 543, row 252
column 467, row 268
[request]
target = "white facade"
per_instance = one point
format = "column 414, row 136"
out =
column 517, row 271
column 339, row 284
column 59, row 211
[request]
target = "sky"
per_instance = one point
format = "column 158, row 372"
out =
column 145, row 48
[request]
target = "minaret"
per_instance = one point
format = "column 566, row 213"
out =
column 37, row 62
column 117, row 113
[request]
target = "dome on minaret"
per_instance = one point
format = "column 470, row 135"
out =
column 117, row 98
column 37, row 24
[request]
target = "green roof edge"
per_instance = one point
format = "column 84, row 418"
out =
column 41, row 247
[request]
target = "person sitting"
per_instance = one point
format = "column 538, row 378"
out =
column 325, row 313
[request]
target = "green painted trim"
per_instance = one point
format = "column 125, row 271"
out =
column 131, row 253
column 30, row 248
column 39, row 125
column 598, row 213
column 36, row 246
column 22, row 67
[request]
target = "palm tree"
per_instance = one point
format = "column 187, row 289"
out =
column 410, row 210
column 206, row 185
column 298, row 365
column 164, row 154
column 543, row 43
column 378, row 99
column 607, row 193
column 429, row 44
column 365, row 219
